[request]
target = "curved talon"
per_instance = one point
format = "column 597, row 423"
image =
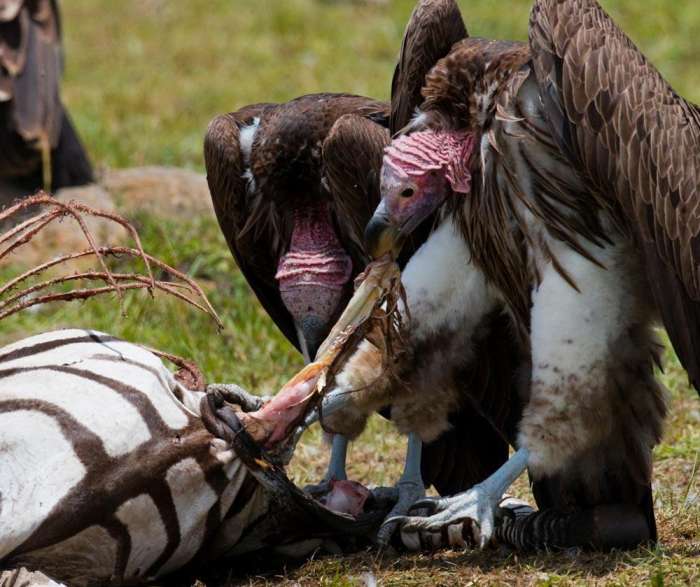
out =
column 388, row 494
column 431, row 504
column 396, row 520
column 409, row 492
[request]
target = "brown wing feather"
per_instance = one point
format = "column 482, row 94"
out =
column 225, row 167
column 352, row 161
column 637, row 141
column 434, row 26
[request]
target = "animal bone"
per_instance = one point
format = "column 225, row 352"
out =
column 374, row 304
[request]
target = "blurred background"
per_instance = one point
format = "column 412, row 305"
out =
column 144, row 77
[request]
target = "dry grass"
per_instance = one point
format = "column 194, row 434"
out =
column 675, row 561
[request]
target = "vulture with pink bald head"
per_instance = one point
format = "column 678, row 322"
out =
column 567, row 169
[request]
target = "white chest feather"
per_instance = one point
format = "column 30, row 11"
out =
column 445, row 292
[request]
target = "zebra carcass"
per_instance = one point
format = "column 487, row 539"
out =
column 110, row 474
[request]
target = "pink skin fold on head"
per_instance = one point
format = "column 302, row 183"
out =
column 315, row 256
column 315, row 271
column 421, row 152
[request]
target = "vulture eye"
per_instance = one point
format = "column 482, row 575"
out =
column 407, row 193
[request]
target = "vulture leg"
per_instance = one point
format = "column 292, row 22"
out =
column 339, row 444
column 339, row 452
column 479, row 504
column 410, row 488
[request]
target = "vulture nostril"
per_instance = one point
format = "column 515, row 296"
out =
column 408, row 193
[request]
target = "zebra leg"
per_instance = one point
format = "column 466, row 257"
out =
column 25, row 578
column 603, row 527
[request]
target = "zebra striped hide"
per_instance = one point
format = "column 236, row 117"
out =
column 108, row 473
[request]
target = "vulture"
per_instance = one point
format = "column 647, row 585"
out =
column 293, row 187
column 39, row 148
column 569, row 169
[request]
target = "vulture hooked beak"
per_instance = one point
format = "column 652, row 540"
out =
column 406, row 202
column 311, row 330
column 382, row 236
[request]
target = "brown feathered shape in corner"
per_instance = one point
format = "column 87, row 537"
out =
column 571, row 167
column 270, row 168
column 39, row 147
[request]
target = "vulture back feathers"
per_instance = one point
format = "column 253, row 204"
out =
column 433, row 28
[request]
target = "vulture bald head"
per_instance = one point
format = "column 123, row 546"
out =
column 438, row 152
column 293, row 186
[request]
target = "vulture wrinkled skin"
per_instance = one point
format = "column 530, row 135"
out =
column 270, row 167
column 39, row 147
column 570, row 168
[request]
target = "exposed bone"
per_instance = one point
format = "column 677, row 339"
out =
column 379, row 286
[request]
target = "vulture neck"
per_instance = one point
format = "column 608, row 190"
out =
column 315, row 256
column 445, row 293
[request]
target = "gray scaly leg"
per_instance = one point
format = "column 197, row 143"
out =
column 339, row 452
column 479, row 504
column 410, row 489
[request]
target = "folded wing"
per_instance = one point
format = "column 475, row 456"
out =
column 636, row 140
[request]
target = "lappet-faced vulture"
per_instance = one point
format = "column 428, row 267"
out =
column 570, row 168
column 38, row 144
column 293, row 187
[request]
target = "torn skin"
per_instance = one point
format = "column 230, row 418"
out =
column 277, row 419
column 346, row 497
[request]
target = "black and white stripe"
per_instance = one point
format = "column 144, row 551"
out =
column 106, row 474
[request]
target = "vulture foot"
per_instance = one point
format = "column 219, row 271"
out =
column 474, row 509
column 410, row 489
column 408, row 493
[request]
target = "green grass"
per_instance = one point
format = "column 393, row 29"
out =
column 144, row 77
